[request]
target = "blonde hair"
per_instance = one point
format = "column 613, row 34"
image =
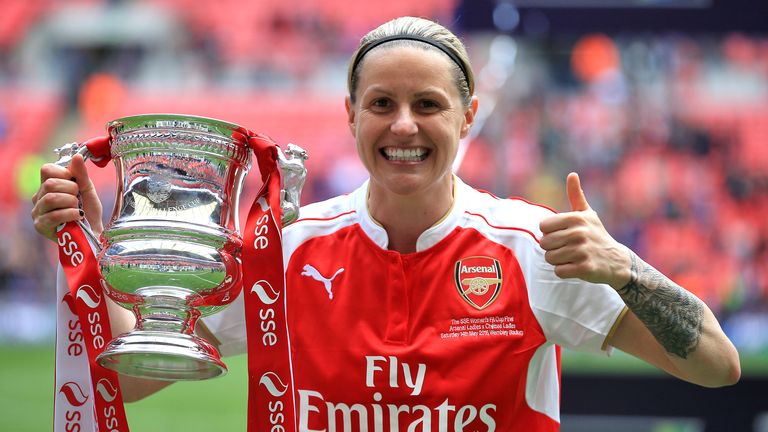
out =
column 412, row 31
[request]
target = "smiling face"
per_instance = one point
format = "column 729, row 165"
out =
column 407, row 119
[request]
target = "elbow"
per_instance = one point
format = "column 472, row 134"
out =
column 727, row 374
column 733, row 374
column 731, row 377
column 129, row 397
column 735, row 377
column 130, row 391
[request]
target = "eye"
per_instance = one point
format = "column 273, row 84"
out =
column 380, row 104
column 427, row 105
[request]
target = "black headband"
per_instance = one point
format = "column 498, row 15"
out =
column 428, row 41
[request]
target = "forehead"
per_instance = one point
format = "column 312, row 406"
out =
column 407, row 60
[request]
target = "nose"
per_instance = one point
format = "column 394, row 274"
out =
column 404, row 122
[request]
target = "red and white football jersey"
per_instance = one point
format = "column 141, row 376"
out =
column 461, row 335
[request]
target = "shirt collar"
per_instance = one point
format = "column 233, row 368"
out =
column 428, row 238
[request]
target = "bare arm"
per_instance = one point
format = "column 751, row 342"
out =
column 666, row 326
column 671, row 328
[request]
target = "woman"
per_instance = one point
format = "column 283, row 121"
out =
column 419, row 301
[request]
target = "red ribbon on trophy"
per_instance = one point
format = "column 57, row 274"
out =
column 271, row 404
column 88, row 396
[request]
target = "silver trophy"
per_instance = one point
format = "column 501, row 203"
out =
column 170, row 251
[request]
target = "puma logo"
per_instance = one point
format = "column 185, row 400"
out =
column 312, row 272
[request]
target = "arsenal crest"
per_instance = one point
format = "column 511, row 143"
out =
column 478, row 280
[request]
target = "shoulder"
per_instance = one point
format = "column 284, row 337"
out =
column 513, row 216
column 321, row 218
column 323, row 211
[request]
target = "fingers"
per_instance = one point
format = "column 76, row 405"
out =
column 578, row 203
column 575, row 223
column 55, row 186
column 565, row 250
column 553, row 240
column 568, row 253
column 575, row 194
column 52, row 177
column 560, row 222
column 54, row 208
column 46, row 223
column 571, row 261
column 57, row 200
column 51, row 170
column 566, row 235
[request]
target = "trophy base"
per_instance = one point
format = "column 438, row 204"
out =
column 162, row 355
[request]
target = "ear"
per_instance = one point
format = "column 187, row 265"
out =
column 350, row 115
column 469, row 117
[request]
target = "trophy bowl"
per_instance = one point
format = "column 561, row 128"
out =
column 170, row 251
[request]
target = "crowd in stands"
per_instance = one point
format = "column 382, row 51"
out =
column 669, row 134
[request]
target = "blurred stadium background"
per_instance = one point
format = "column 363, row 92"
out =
column 662, row 106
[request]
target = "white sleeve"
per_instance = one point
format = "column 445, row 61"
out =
column 575, row 314
column 228, row 326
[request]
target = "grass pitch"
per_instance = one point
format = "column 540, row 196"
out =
column 219, row 404
column 26, row 397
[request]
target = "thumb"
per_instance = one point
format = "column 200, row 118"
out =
column 575, row 193
column 91, row 203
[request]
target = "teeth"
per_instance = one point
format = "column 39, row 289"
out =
column 405, row 155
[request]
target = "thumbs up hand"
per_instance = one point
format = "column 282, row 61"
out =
column 579, row 246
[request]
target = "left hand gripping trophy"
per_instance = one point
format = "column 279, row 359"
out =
column 171, row 251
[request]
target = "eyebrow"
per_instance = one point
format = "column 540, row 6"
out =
column 429, row 92
column 377, row 88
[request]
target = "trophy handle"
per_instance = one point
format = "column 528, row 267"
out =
column 69, row 150
column 66, row 153
column 292, row 176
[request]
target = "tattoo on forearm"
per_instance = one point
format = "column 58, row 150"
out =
column 673, row 315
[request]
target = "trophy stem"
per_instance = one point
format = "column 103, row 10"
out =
column 163, row 345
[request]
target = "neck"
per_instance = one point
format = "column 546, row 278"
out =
column 406, row 217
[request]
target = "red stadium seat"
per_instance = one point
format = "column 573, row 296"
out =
column 30, row 117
